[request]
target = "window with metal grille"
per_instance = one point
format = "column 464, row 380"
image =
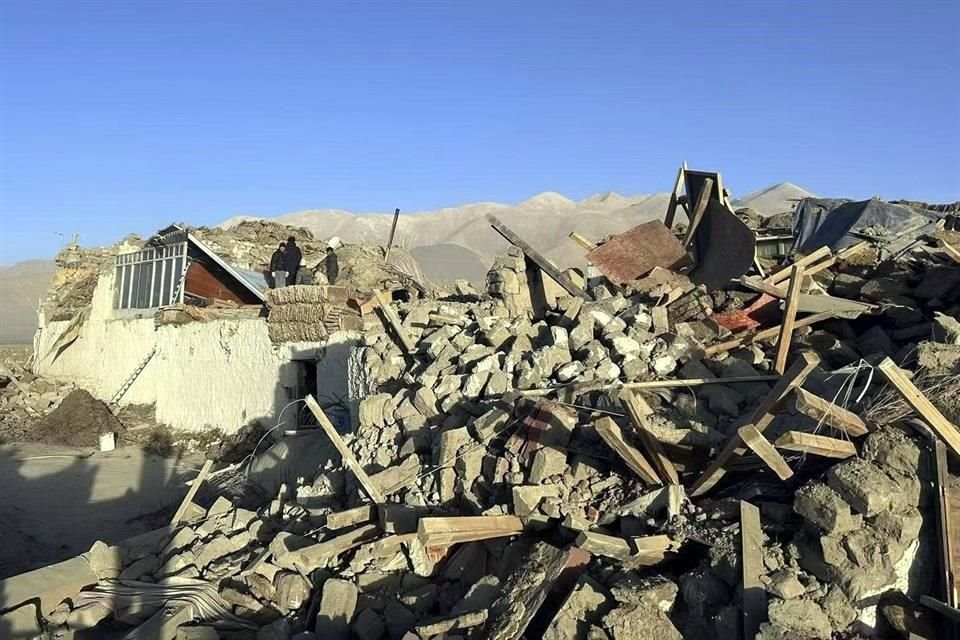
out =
column 151, row 277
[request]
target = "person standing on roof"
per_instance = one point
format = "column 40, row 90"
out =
column 278, row 266
column 292, row 260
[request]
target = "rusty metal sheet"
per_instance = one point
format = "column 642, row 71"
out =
column 634, row 253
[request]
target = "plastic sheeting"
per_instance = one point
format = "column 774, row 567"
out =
column 832, row 222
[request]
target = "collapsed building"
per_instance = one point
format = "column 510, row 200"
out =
column 687, row 440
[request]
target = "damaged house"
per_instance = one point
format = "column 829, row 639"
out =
column 136, row 342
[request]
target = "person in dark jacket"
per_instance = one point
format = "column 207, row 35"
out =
column 278, row 266
column 292, row 259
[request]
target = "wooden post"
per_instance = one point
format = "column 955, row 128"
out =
column 761, row 418
column 408, row 346
column 393, row 230
column 348, row 458
column 789, row 318
column 702, row 201
column 754, row 596
column 204, row 472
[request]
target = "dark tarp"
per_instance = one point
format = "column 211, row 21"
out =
column 824, row 222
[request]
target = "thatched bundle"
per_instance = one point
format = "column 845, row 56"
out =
column 300, row 293
column 297, row 332
column 284, row 313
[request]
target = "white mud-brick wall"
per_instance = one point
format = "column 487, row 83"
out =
column 215, row 374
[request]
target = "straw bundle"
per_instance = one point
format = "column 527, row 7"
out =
column 285, row 313
column 297, row 332
column 300, row 293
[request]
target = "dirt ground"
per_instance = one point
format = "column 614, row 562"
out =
column 57, row 501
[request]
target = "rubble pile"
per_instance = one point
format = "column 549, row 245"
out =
column 566, row 458
column 250, row 243
column 24, row 397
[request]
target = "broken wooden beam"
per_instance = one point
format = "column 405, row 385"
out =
column 761, row 418
column 363, row 514
column 765, row 451
column 650, row 384
column 949, row 249
column 523, row 592
column 789, row 318
column 393, row 230
column 611, row 434
column 817, row 445
column 824, row 411
column 765, row 334
column 947, row 431
column 783, row 274
column 637, row 409
column 372, row 491
column 753, row 592
column 439, row 531
column 194, row 487
column 583, row 242
column 947, row 505
column 316, row 555
column 394, row 320
column 545, row 265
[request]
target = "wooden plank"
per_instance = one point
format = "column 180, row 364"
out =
column 765, row 334
column 947, row 431
column 761, row 286
column 816, row 445
column 753, row 593
column 703, row 199
column 651, row 384
column 349, row 459
column 613, row 436
column 674, row 198
column 631, row 255
column 765, row 451
column 394, row 320
column 824, row 411
column 523, row 592
column 194, row 487
column 315, row 555
column 781, row 275
column 789, row 318
column 545, row 265
column 636, row 409
column 583, row 242
column 944, row 609
column 808, row 302
column 442, row 531
column 761, row 418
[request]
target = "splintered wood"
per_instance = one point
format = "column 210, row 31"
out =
column 436, row 532
column 532, row 254
column 765, row 451
column 611, row 433
column 637, row 409
column 761, row 418
column 789, row 318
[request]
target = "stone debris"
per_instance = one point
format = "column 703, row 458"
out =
column 521, row 500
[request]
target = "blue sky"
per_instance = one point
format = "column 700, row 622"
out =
column 122, row 116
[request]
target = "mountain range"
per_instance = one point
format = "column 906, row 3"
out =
column 450, row 243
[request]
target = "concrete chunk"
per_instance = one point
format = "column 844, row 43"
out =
column 338, row 603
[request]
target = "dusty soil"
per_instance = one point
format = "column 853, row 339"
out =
column 57, row 501
column 77, row 422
